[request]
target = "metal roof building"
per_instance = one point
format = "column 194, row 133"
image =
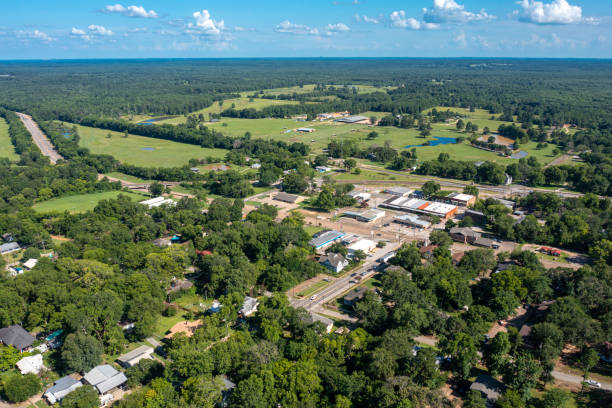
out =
column 62, row 387
column 133, row 357
column 365, row 216
column 353, row 119
column 9, row 247
column 326, row 238
column 412, row 221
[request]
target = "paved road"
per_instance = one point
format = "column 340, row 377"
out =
column 40, row 138
column 510, row 189
column 576, row 379
column 342, row 284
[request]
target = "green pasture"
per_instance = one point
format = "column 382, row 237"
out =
column 6, row 147
column 82, row 202
column 129, row 150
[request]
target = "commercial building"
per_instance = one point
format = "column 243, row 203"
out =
column 354, row 119
column 360, row 195
column 325, row 239
column 365, row 216
column 286, row 198
column 133, row 357
column 157, row 202
column 476, row 216
column 509, row 204
column 399, row 191
column 460, row 199
column 419, row 206
column 412, row 221
column 364, row 245
column 469, row 236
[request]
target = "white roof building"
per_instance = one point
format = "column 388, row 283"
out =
column 62, row 387
column 157, row 202
column 360, row 195
column 133, row 357
column 249, row 306
column 31, row 364
column 30, row 263
column 104, row 378
column 364, row 245
column 399, row 191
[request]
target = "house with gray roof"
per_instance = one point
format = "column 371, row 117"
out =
column 354, row 296
column 104, row 378
column 62, row 387
column 335, row 262
column 9, row 247
column 17, row 337
column 489, row 387
column 133, row 357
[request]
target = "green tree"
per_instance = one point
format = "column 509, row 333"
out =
column 558, row 398
column 588, row 360
column 83, row 397
column 294, row 183
column 463, row 353
column 460, row 124
column 18, row 388
column 325, row 200
column 430, row 188
column 156, row 188
column 9, row 356
column 522, row 375
column 202, row 392
column 474, row 399
column 350, row 164
column 471, row 190
column 81, row 352
column 496, row 352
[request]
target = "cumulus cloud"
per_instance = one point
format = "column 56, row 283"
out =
column 35, row 35
column 460, row 40
column 77, row 31
column 399, row 20
column 556, row 12
column 99, row 30
column 131, row 11
column 287, row 27
column 204, row 24
column 449, row 11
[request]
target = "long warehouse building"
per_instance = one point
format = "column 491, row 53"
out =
column 419, row 206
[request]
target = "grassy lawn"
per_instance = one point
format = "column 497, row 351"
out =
column 127, row 177
column 6, row 147
column 314, row 288
column 165, row 153
column 164, row 324
column 83, row 202
column 311, row 229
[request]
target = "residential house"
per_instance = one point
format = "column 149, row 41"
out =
column 31, row 364
column 17, row 337
column 464, row 235
column 427, row 251
column 8, row 237
column 489, row 387
column 9, row 247
column 354, row 296
column 327, row 322
column 105, row 378
column 62, row 387
column 249, row 306
column 335, row 262
column 133, row 357
column 30, row 263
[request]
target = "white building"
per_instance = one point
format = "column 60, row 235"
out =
column 105, row 378
column 249, row 306
column 62, row 387
column 364, row 245
column 31, row 364
column 133, row 357
column 360, row 195
column 157, row 202
column 30, row 263
column 335, row 262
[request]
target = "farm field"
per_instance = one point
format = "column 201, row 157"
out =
column 135, row 149
column 6, row 147
column 82, row 202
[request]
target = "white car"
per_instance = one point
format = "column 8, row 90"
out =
column 593, row 383
column 313, row 297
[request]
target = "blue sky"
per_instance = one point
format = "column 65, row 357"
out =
column 44, row 29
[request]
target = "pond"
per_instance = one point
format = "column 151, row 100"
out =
column 438, row 140
column 519, row 155
column 149, row 122
column 149, row 149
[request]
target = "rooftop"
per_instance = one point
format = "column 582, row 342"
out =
column 325, row 238
column 16, row 336
column 288, row 198
column 461, row 197
column 488, row 386
column 142, row 350
column 100, row 374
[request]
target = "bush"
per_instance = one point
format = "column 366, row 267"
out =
column 143, row 372
column 83, row 397
column 170, row 311
column 18, row 388
column 31, row 252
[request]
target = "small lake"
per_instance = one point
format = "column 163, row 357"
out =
column 148, row 149
column 519, row 155
column 149, row 122
column 437, row 141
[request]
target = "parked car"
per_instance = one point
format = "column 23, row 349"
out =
column 313, row 297
column 593, row 383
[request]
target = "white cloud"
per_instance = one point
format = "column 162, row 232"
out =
column 131, row 11
column 449, row 11
column 337, row 28
column 77, row 31
column 288, row 27
column 35, row 35
column 459, row 40
column 557, row 12
column 366, row 19
column 399, row 20
column 99, row 30
column 205, row 24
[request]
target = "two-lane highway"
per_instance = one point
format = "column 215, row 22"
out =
column 40, row 138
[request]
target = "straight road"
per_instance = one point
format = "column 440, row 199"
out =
column 342, row 284
column 576, row 379
column 40, row 138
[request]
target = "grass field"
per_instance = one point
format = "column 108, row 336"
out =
column 83, row 202
column 129, row 150
column 6, row 147
column 315, row 287
column 239, row 103
column 361, row 89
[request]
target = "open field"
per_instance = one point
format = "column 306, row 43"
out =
column 362, row 89
column 6, row 147
column 239, row 103
column 131, row 150
column 82, row 202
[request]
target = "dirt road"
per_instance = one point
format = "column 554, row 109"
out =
column 576, row 379
column 41, row 140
